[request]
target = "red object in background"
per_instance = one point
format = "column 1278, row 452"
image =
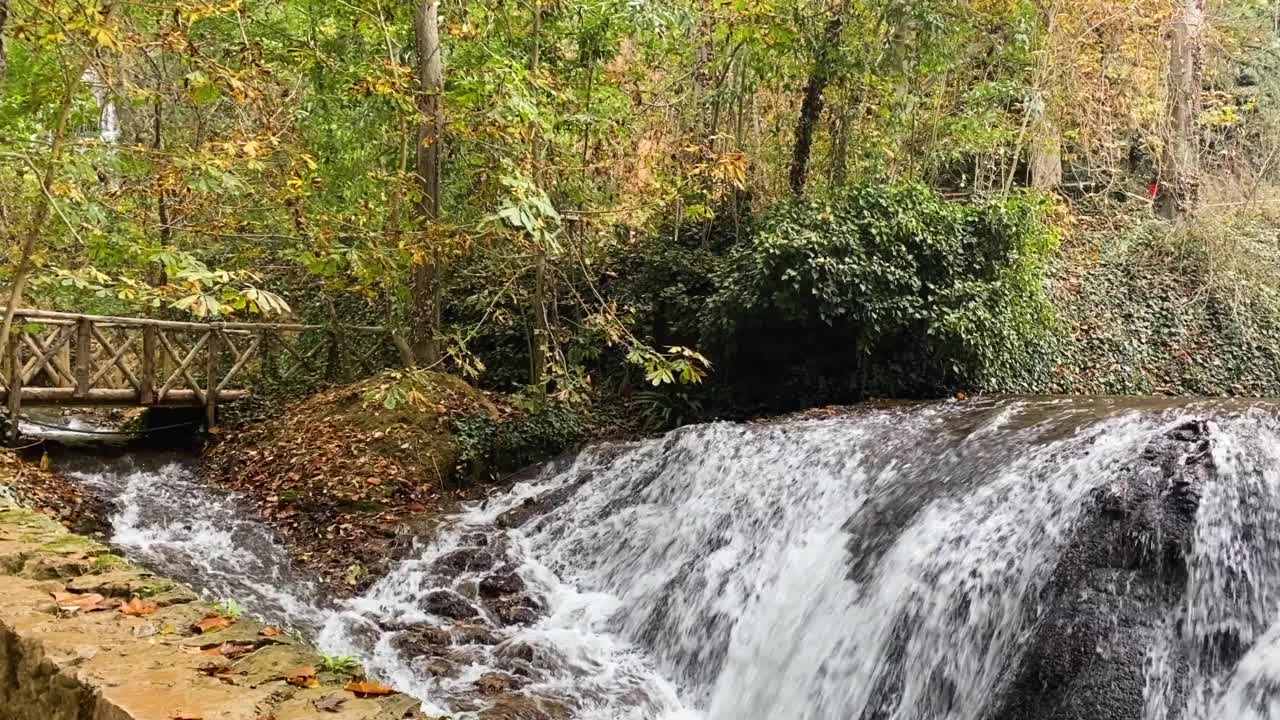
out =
column 1153, row 190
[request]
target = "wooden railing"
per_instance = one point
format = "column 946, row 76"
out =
column 57, row 358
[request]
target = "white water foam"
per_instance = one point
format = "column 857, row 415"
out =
column 886, row 564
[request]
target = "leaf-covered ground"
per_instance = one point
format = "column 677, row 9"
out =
column 32, row 485
column 342, row 472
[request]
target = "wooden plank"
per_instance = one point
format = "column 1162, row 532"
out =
column 240, row 363
column 211, row 379
column 113, row 396
column 147, row 381
column 116, row 359
column 84, row 357
column 108, row 320
column 182, row 370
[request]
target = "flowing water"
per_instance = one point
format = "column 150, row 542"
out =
column 895, row 563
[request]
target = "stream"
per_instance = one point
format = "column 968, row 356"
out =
column 987, row 560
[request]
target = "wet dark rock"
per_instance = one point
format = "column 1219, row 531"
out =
column 1115, row 589
column 492, row 683
column 435, row 667
column 516, row 650
column 421, row 640
column 514, row 614
column 525, row 707
column 476, row 539
column 447, row 603
column 464, row 560
column 472, row 634
column 507, row 583
column 535, row 507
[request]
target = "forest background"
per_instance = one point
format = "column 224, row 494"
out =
column 669, row 210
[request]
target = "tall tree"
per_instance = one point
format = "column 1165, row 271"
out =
column 4, row 18
column 426, row 285
column 811, row 106
column 1180, row 164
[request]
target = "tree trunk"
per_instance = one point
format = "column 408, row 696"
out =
column 540, row 337
column 41, row 213
column 1045, row 155
column 156, row 273
column 811, row 106
column 1180, row 163
column 4, row 17
column 425, row 284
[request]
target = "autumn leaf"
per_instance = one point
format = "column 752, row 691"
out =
column 138, row 607
column 369, row 689
column 74, row 602
column 231, row 650
column 303, row 677
column 212, row 622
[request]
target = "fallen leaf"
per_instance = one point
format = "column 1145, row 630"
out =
column 271, row 631
column 329, row 703
column 73, row 602
column 231, row 650
column 303, row 677
column 138, row 607
column 211, row 623
column 369, row 689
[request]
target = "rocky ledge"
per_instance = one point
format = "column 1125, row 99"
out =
column 85, row 634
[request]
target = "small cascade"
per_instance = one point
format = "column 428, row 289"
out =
column 993, row 560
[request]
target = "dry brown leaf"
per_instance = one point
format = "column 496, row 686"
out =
column 271, row 631
column 212, row 622
column 73, row 602
column 137, row 607
column 303, row 677
column 232, row 650
column 369, row 689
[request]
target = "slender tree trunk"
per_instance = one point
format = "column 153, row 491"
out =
column 540, row 339
column 40, row 215
column 4, row 18
column 811, row 105
column 1045, row 158
column 156, row 272
column 1180, row 163
column 426, row 287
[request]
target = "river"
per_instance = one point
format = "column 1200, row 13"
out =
column 984, row 560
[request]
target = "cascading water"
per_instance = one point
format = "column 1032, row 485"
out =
column 961, row 561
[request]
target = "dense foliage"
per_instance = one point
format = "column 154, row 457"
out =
column 887, row 289
column 773, row 199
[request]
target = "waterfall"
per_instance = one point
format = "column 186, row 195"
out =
column 993, row 560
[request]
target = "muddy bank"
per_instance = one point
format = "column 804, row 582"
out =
column 84, row 633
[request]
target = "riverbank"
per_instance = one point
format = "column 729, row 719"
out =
column 85, row 633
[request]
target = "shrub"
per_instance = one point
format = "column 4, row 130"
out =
column 883, row 289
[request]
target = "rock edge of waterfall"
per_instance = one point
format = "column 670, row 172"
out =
column 1119, row 582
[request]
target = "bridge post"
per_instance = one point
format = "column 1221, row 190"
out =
column 211, row 377
column 84, row 357
column 147, row 378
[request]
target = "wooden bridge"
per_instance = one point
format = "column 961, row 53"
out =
column 57, row 358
